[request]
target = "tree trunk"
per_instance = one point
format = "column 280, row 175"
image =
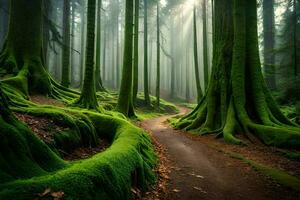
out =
column 98, row 79
column 269, row 42
column 173, row 64
column 82, row 42
column 72, row 43
column 65, row 75
column 125, row 105
column 104, row 56
column 295, row 35
column 205, row 44
column 187, row 79
column 88, row 95
column 22, row 53
column 146, row 81
column 117, row 48
column 136, row 50
column 197, row 75
column 158, row 58
column 237, row 99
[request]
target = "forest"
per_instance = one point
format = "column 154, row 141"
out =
column 149, row 99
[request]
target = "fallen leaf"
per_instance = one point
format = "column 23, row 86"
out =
column 47, row 191
column 176, row 190
column 57, row 195
column 200, row 189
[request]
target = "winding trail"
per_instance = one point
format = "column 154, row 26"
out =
column 198, row 171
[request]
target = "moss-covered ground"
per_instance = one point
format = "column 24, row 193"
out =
column 29, row 167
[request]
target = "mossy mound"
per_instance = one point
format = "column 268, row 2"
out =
column 108, row 100
column 28, row 166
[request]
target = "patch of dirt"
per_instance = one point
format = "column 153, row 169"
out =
column 262, row 154
column 42, row 127
column 87, row 152
column 44, row 100
column 45, row 129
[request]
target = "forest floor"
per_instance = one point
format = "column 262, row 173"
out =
column 194, row 167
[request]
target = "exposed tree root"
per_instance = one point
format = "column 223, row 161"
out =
column 106, row 175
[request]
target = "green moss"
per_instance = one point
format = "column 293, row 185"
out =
column 106, row 175
column 29, row 166
column 292, row 155
column 277, row 175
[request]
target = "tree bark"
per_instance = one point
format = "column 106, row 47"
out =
column 205, row 45
column 237, row 99
column 269, row 42
column 125, row 105
column 136, row 50
column 65, row 79
column 146, row 78
column 88, row 95
column 98, row 79
column 197, row 75
column 158, row 58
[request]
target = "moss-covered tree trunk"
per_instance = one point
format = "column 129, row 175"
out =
column 146, row 74
column 22, row 53
column 237, row 99
column 65, row 75
column 296, row 8
column 196, row 64
column 88, row 97
column 82, row 42
column 98, row 79
column 158, row 57
column 136, row 49
column 104, row 56
column 269, row 43
column 125, row 105
column 205, row 45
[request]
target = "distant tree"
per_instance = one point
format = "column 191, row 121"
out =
column 136, row 50
column 196, row 64
column 146, row 73
column 65, row 75
column 98, row 79
column 158, row 56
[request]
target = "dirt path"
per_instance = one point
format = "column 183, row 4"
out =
column 200, row 172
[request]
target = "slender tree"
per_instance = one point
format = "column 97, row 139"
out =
column 237, row 98
column 146, row 74
column 82, row 42
column 104, row 56
column 197, row 75
column 72, row 42
column 65, row 75
column 205, row 44
column 173, row 63
column 98, row 79
column 125, row 105
column 269, row 42
column 296, row 8
column 158, row 57
column 136, row 49
column 88, row 97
